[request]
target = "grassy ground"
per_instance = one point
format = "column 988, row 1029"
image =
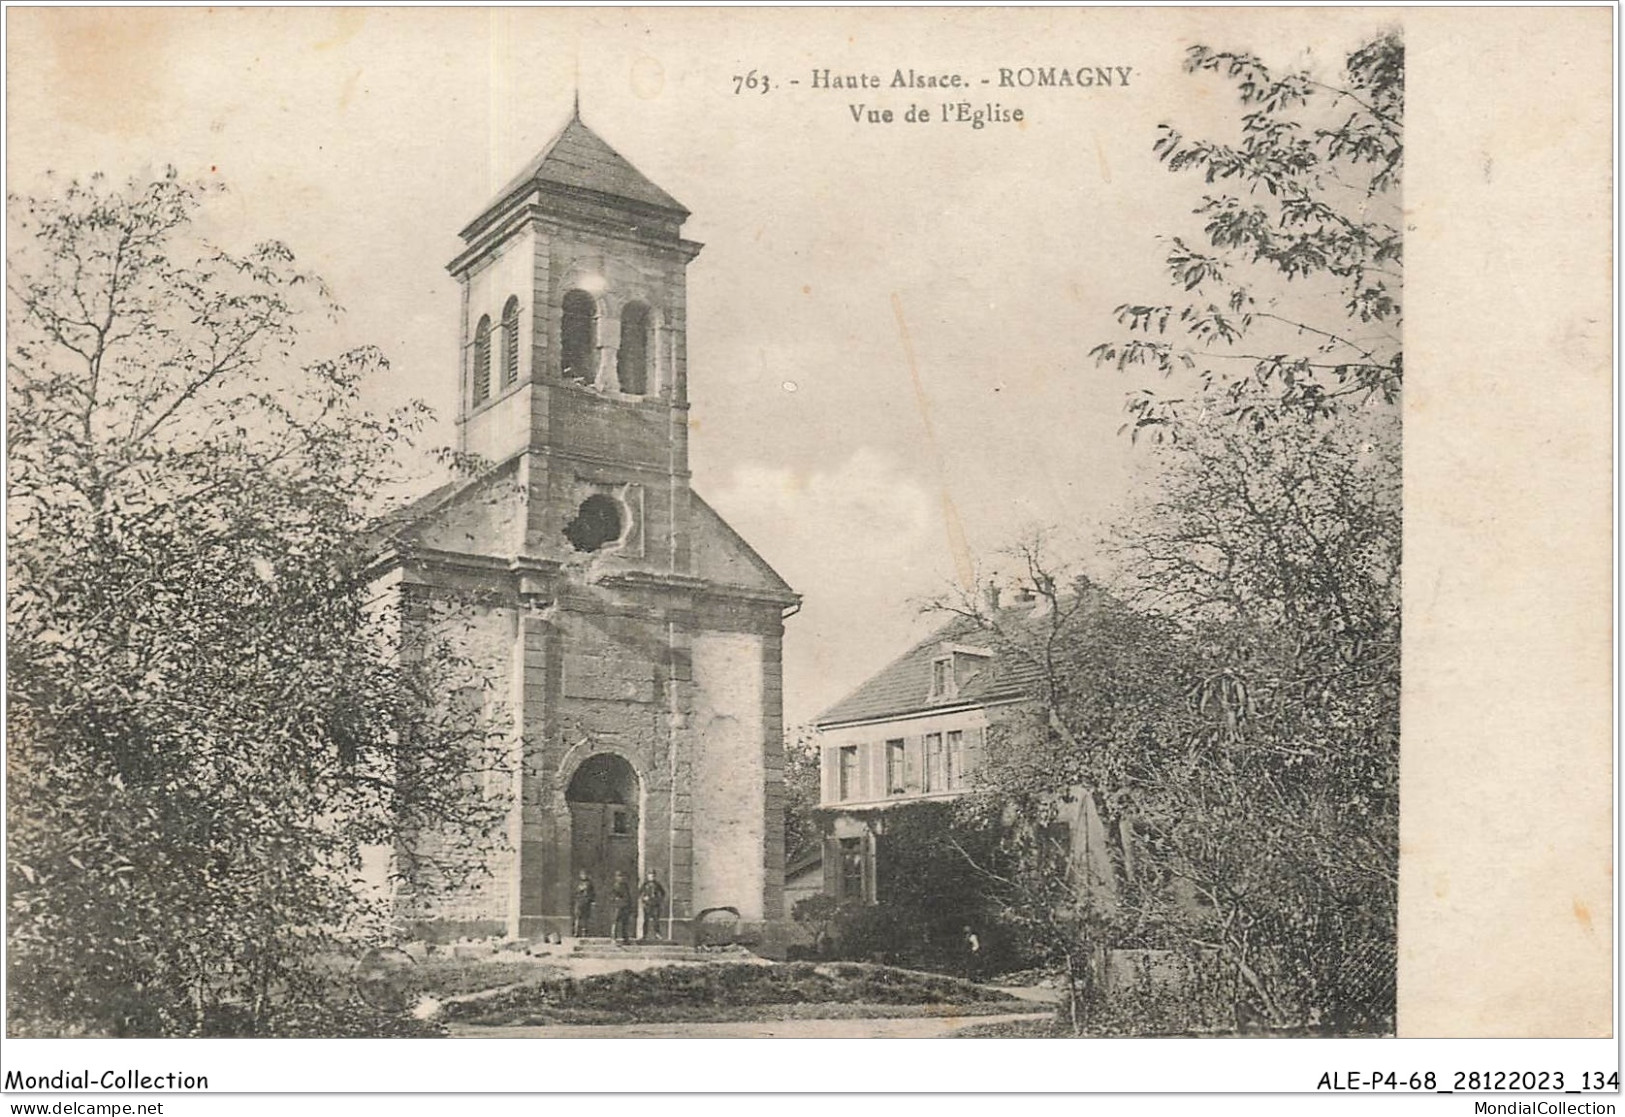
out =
column 447, row 977
column 726, row 1014
column 731, row 992
column 1037, row 1028
column 1056, row 1027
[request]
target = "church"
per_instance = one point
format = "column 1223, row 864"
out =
column 627, row 639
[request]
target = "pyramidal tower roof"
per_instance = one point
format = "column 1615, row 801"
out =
column 577, row 159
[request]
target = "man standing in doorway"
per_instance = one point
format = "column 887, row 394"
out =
column 620, row 895
column 652, row 896
column 580, row 925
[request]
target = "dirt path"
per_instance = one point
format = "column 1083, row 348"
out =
column 917, row 1027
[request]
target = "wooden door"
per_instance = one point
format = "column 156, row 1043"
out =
column 604, row 841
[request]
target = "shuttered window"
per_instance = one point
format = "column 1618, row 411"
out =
column 482, row 361
column 936, row 778
column 632, row 360
column 510, row 343
column 848, row 772
column 896, row 780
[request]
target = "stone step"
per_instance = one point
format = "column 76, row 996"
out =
column 623, row 956
column 653, row 951
column 651, row 943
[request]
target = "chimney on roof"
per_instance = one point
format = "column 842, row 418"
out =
column 990, row 596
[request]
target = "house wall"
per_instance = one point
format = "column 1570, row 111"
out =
column 1090, row 855
column 870, row 741
column 862, row 815
column 809, row 882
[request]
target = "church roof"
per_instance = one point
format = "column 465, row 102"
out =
column 903, row 686
column 721, row 554
column 578, row 159
column 476, row 516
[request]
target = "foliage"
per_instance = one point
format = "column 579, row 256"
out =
column 1228, row 710
column 802, row 833
column 1272, row 541
column 1230, row 715
column 926, row 899
column 923, row 855
column 1295, row 300
column 211, row 717
column 442, row 977
column 315, row 1019
column 818, row 913
column 1278, row 805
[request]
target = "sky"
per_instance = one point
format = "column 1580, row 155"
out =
column 890, row 323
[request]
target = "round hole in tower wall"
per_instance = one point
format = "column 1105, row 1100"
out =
column 597, row 523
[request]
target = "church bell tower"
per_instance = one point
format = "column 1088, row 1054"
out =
column 627, row 641
column 574, row 311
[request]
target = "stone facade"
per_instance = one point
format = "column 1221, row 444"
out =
column 632, row 641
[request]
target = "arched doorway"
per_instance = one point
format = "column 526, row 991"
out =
column 603, row 801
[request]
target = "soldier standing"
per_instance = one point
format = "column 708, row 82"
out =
column 580, row 925
column 653, row 898
column 621, row 894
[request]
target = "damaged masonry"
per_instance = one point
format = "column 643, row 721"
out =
column 632, row 639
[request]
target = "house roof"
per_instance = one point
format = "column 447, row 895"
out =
column 578, row 159
column 904, row 685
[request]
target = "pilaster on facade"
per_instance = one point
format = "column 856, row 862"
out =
column 639, row 635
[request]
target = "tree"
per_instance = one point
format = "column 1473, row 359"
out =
column 802, row 833
column 212, row 719
column 1229, row 704
column 1230, row 713
column 1273, row 536
column 1296, row 297
column 1107, row 683
column 1281, row 557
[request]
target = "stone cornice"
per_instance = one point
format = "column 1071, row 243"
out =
column 527, row 575
column 532, row 213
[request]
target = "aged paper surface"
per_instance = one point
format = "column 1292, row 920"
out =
column 1506, row 925
column 839, row 243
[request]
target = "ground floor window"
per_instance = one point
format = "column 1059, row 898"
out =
column 852, row 869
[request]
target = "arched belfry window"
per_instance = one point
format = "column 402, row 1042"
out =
column 482, row 361
column 510, row 343
column 578, row 338
column 632, row 362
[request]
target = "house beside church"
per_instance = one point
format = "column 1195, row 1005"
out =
column 919, row 731
column 628, row 638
